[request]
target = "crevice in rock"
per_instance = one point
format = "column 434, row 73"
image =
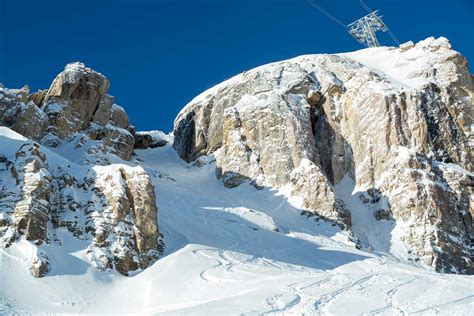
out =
column 333, row 153
column 184, row 137
column 324, row 136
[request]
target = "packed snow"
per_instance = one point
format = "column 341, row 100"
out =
column 233, row 251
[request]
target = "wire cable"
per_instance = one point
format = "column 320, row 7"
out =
column 394, row 38
column 390, row 33
column 365, row 6
column 326, row 13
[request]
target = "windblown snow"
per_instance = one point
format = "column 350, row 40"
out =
column 230, row 251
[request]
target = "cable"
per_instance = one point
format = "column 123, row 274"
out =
column 365, row 6
column 394, row 38
column 337, row 21
column 326, row 13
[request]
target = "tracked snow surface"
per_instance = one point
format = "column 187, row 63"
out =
column 229, row 251
column 235, row 251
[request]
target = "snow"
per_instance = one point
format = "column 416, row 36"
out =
column 409, row 66
column 232, row 251
column 209, row 92
column 241, row 250
column 8, row 133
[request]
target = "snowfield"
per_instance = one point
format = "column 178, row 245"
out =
column 235, row 251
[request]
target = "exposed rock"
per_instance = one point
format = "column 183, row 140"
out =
column 311, row 183
column 118, row 140
column 406, row 46
column 112, row 207
column 9, row 99
column 75, row 104
column 126, row 232
column 27, row 119
column 142, row 198
column 110, row 113
column 188, row 140
column 144, row 141
column 315, row 120
column 40, row 265
column 73, row 98
column 313, row 97
column 37, row 97
column 32, row 209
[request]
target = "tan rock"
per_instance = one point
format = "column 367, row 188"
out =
column 262, row 124
column 130, row 218
column 73, row 98
column 37, row 97
column 309, row 182
column 32, row 210
column 119, row 140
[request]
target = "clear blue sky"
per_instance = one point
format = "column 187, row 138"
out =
column 159, row 54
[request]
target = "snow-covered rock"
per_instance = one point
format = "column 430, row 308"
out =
column 113, row 207
column 76, row 105
column 249, row 250
column 386, row 118
column 59, row 176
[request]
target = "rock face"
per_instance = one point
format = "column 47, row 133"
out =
column 32, row 210
column 113, row 208
column 396, row 122
column 73, row 98
column 125, row 230
column 75, row 191
column 76, row 105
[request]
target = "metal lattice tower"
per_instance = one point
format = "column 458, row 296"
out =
column 364, row 29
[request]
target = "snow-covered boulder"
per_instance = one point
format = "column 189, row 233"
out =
column 392, row 120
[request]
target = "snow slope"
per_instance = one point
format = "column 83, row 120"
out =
column 232, row 251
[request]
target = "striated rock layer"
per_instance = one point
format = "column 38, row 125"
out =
column 57, row 176
column 396, row 122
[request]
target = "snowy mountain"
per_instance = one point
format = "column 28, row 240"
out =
column 326, row 184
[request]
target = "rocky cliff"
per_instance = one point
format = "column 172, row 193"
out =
column 57, row 175
column 377, row 141
column 391, row 125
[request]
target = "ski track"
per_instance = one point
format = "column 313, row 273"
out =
column 240, row 251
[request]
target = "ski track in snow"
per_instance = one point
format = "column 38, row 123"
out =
column 238, row 251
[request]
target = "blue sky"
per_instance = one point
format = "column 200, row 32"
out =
column 159, row 54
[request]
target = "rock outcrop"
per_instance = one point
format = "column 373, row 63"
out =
column 76, row 105
column 73, row 98
column 395, row 121
column 31, row 212
column 125, row 232
column 111, row 207
column 76, row 190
